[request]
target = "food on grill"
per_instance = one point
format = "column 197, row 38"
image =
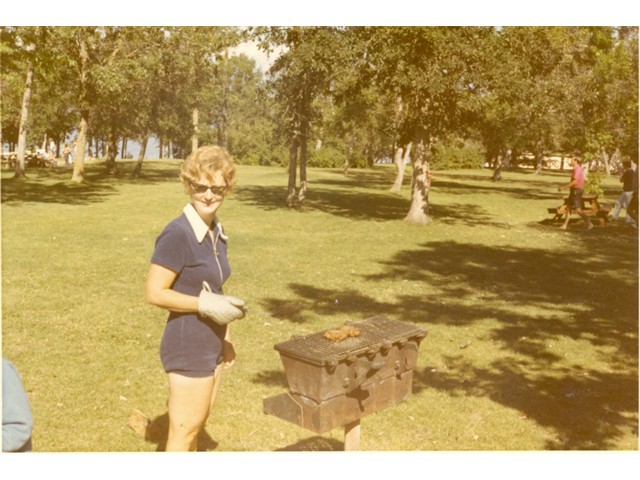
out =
column 342, row 333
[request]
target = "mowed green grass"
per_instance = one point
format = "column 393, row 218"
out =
column 532, row 332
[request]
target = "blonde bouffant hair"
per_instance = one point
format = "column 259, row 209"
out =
column 204, row 162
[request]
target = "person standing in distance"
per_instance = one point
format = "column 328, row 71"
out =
column 188, row 268
column 632, row 211
column 576, row 188
column 627, row 191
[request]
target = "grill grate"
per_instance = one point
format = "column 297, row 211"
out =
column 374, row 332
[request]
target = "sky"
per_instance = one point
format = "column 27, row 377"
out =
column 251, row 50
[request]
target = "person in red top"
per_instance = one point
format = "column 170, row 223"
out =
column 576, row 188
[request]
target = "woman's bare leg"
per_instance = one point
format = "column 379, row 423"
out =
column 190, row 401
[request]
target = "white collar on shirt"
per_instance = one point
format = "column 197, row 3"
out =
column 200, row 228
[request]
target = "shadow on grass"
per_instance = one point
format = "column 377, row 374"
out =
column 314, row 444
column 520, row 193
column 536, row 297
column 324, row 301
column 531, row 186
column 55, row 185
column 271, row 378
column 359, row 205
column 365, row 195
column 468, row 214
column 588, row 409
column 30, row 191
column 159, row 429
column 348, row 203
column 379, row 179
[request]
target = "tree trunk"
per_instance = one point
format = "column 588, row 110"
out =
column 397, row 152
column 369, row 156
column 81, row 142
column 419, row 209
column 112, row 150
column 24, row 116
column 506, row 164
column 123, row 150
column 78, row 164
column 304, row 154
column 605, row 159
column 222, row 126
column 538, row 158
column 348, row 153
column 400, row 158
column 293, row 170
column 497, row 169
column 143, row 151
column 194, row 136
column 347, row 159
column 407, row 152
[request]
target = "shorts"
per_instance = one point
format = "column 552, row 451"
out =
column 191, row 346
column 575, row 199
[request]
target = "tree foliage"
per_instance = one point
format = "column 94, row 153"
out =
column 335, row 96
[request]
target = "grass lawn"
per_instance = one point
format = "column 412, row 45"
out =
column 532, row 331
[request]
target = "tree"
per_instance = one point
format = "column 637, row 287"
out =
column 83, row 50
column 604, row 102
column 27, row 47
column 356, row 119
column 198, row 50
column 240, row 111
column 299, row 76
column 431, row 70
column 125, row 87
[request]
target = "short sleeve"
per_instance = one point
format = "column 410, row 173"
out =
column 169, row 250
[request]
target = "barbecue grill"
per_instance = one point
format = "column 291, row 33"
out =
column 336, row 382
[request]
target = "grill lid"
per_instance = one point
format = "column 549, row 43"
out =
column 375, row 333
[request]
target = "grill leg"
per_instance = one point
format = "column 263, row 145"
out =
column 352, row 436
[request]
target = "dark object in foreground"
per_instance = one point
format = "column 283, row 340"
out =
column 336, row 383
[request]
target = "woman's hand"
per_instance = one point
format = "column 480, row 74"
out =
column 228, row 353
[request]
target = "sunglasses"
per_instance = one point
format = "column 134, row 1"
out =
column 218, row 191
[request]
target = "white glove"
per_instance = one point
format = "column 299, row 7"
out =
column 222, row 309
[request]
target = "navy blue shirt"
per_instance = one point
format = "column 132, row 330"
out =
column 192, row 345
column 627, row 180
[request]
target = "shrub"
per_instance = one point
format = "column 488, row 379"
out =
column 326, row 157
column 593, row 184
column 450, row 157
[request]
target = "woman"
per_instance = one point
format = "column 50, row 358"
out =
column 188, row 268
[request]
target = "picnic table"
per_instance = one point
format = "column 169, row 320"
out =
column 590, row 206
column 31, row 159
